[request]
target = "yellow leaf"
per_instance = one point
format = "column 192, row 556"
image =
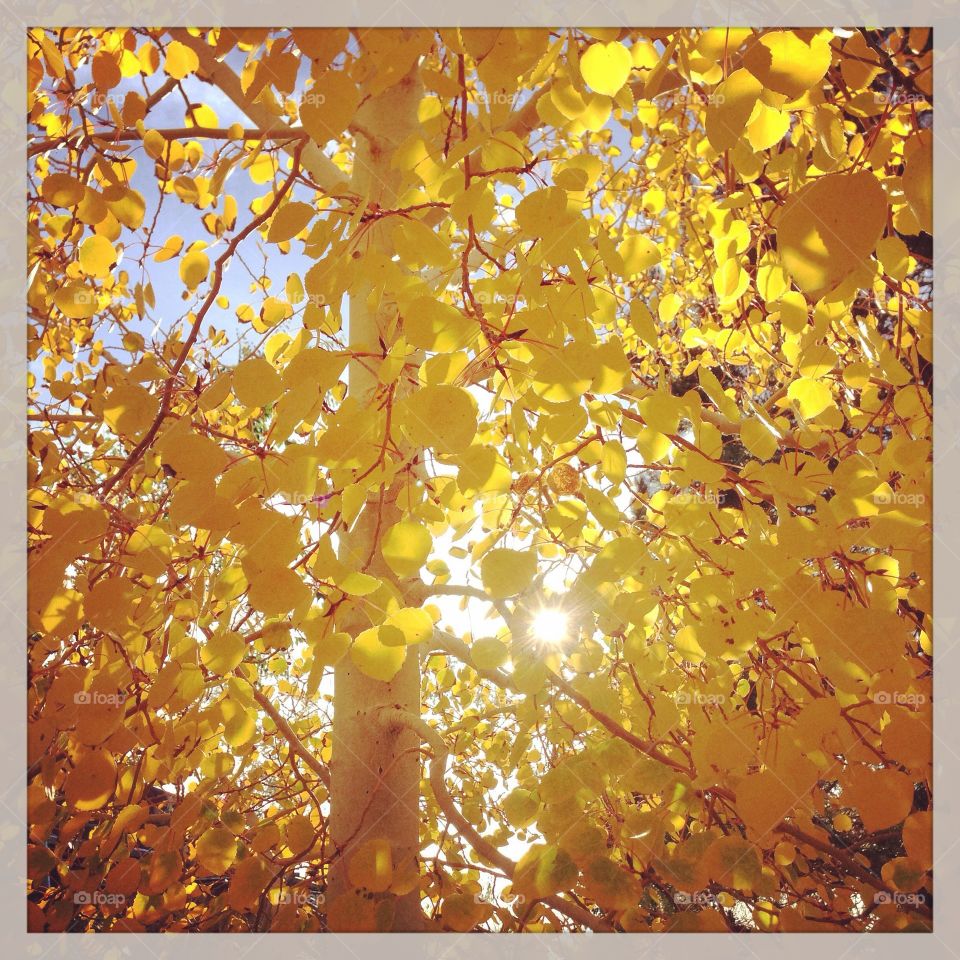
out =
column 829, row 227
column 639, row 254
column 154, row 144
column 299, row 833
column 376, row 659
column 883, row 798
column 763, row 800
column 483, row 469
column 613, row 461
column 194, row 268
column 62, row 613
column 687, row 645
column 462, row 913
column 171, row 247
column 76, row 301
column 328, row 107
column 603, row 508
column 316, row 366
column 543, row 211
column 783, row 62
column 652, row 445
column 105, row 70
column 91, row 782
column 505, row 573
column 812, row 397
column 276, row 589
column 793, row 311
column 289, row 220
column 129, row 410
column 62, row 190
column 180, row 60
column 249, row 879
column 437, row 327
column 405, row 547
column 917, row 177
column 223, row 652
column 609, row 885
column 488, row 653
column 357, row 584
column 730, row 281
column 643, row 323
column 443, row 417
column 414, row 625
column 661, row 411
column 126, row 204
column 894, row 256
column 216, row 850
column 230, row 584
column 97, row 256
column 730, row 108
column 734, row 862
column 757, row 438
column 371, row 867
column 520, row 807
column 544, row 870
column 768, row 127
column 241, row 724
column 256, row 383
column 606, row 67
column 419, row 246
column 193, row 456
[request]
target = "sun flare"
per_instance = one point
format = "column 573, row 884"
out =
column 550, row 626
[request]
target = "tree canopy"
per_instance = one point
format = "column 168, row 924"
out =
column 480, row 479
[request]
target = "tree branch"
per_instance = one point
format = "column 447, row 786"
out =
column 644, row 746
column 144, row 443
column 402, row 718
column 296, row 744
column 172, row 133
column 457, row 648
column 324, row 172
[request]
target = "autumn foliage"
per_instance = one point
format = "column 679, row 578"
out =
column 480, row 479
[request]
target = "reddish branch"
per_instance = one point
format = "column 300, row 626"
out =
column 144, row 444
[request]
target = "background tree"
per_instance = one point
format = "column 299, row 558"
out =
column 480, row 479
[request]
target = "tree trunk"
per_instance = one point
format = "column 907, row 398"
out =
column 375, row 771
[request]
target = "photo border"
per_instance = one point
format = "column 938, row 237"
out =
column 16, row 17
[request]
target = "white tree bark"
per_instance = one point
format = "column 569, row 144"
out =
column 375, row 769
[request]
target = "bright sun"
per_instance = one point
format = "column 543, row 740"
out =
column 550, row 626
